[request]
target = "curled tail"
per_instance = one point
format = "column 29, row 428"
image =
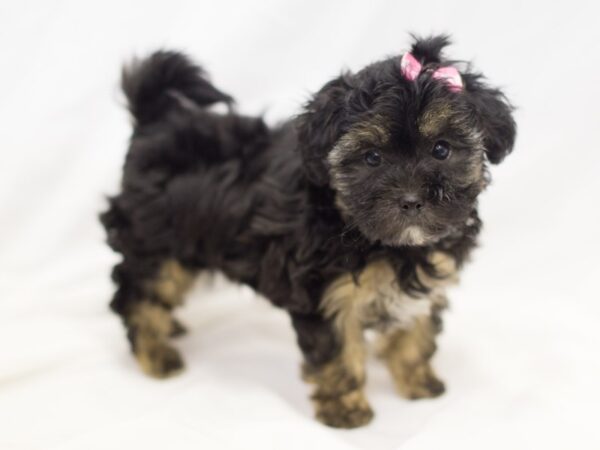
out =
column 164, row 80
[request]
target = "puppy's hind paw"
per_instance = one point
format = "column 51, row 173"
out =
column 159, row 360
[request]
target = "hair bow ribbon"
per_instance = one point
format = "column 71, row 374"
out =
column 411, row 68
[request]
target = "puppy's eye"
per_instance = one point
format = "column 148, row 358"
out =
column 441, row 150
column 372, row 158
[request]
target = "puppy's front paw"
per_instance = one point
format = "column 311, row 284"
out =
column 349, row 410
column 159, row 360
column 420, row 382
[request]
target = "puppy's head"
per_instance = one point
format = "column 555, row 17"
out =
column 406, row 156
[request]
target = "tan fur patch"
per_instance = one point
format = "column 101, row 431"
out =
column 157, row 359
column 348, row 410
column 434, row 120
column 151, row 319
column 433, row 123
column 333, row 378
column 339, row 397
column 407, row 354
column 370, row 134
column 374, row 300
column 171, row 283
column 152, row 325
column 438, row 116
column 445, row 268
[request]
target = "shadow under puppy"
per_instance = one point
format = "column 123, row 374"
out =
column 355, row 214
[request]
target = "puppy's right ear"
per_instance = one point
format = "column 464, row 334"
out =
column 321, row 125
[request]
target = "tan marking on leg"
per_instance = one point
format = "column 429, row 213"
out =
column 171, row 283
column 407, row 354
column 151, row 325
column 343, row 410
column 339, row 397
column 169, row 287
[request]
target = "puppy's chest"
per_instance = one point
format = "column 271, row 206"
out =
column 376, row 300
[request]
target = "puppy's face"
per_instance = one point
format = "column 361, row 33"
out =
column 410, row 176
column 406, row 159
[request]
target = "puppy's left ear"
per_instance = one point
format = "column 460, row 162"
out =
column 494, row 113
column 321, row 125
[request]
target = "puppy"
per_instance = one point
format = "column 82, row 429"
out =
column 354, row 215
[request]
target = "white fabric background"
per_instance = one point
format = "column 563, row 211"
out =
column 520, row 350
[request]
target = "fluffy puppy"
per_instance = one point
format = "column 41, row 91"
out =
column 355, row 214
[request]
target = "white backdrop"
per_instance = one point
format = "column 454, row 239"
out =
column 520, row 350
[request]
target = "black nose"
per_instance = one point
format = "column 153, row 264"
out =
column 412, row 205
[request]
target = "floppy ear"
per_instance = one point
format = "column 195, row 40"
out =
column 494, row 113
column 321, row 125
column 492, row 108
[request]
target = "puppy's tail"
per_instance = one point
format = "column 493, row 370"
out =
column 163, row 81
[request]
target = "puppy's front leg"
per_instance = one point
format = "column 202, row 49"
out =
column 407, row 353
column 334, row 362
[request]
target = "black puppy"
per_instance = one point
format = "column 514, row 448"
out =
column 353, row 215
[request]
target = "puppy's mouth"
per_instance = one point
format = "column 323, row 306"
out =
column 413, row 235
column 410, row 234
column 419, row 233
column 416, row 232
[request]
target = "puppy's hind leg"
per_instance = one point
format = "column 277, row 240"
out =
column 146, row 304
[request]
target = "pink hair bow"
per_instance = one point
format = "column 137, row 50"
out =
column 411, row 68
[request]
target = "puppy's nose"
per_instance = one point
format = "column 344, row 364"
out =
column 412, row 204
